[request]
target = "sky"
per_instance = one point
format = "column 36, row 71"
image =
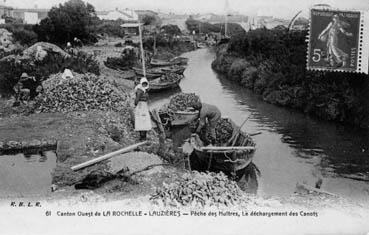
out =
column 277, row 8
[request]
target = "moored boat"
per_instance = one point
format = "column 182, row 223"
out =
column 161, row 83
column 233, row 158
column 149, row 74
column 173, row 69
column 152, row 73
column 174, row 61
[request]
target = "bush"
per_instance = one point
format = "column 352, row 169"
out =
column 71, row 19
column 237, row 68
column 111, row 28
column 171, row 29
column 22, row 33
column 123, row 62
column 13, row 66
column 275, row 62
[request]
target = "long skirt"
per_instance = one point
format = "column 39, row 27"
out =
column 142, row 117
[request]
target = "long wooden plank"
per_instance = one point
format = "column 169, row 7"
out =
column 107, row 156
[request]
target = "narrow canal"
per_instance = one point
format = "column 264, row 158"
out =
column 293, row 147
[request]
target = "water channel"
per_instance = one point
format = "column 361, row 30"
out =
column 293, row 147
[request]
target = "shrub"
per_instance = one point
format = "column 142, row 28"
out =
column 12, row 67
column 281, row 76
column 237, row 68
column 111, row 28
column 71, row 19
column 22, row 33
column 170, row 29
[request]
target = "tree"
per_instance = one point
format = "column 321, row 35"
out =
column 171, row 29
column 148, row 20
column 71, row 19
column 152, row 23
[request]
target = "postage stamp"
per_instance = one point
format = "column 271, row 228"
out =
column 336, row 41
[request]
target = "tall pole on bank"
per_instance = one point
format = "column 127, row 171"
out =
column 226, row 9
column 142, row 50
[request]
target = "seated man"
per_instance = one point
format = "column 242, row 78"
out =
column 210, row 113
column 23, row 93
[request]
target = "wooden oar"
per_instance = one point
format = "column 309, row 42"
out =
column 233, row 139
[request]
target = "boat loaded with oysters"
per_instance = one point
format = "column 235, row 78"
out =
column 234, row 149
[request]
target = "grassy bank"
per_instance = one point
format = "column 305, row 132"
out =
column 272, row 63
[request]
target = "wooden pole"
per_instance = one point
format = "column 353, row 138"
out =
column 225, row 148
column 231, row 140
column 106, row 156
column 142, row 51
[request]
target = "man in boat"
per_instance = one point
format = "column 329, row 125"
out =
column 142, row 115
column 209, row 113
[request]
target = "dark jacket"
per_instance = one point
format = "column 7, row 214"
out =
column 209, row 112
column 141, row 96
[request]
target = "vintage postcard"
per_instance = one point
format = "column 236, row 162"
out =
column 184, row 117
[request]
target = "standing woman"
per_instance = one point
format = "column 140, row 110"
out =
column 142, row 115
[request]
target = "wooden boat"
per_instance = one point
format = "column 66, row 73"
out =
column 233, row 160
column 173, row 69
column 149, row 74
column 174, row 61
column 201, row 45
column 180, row 60
column 159, row 84
column 158, row 63
column 152, row 73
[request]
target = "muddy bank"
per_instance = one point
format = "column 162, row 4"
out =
column 277, row 72
column 80, row 136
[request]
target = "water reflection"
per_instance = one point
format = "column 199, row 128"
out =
column 341, row 147
column 25, row 174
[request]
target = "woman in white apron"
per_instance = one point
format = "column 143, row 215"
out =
column 142, row 115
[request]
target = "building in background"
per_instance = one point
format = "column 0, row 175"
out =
column 30, row 16
column 5, row 11
column 126, row 15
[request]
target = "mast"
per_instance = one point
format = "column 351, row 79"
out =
column 142, row 50
column 226, row 26
column 226, row 9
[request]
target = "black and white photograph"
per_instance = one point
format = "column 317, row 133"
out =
column 184, row 117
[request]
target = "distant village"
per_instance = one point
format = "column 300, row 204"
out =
column 35, row 15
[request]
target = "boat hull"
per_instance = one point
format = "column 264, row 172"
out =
column 234, row 164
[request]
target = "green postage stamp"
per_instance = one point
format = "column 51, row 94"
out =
column 338, row 41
